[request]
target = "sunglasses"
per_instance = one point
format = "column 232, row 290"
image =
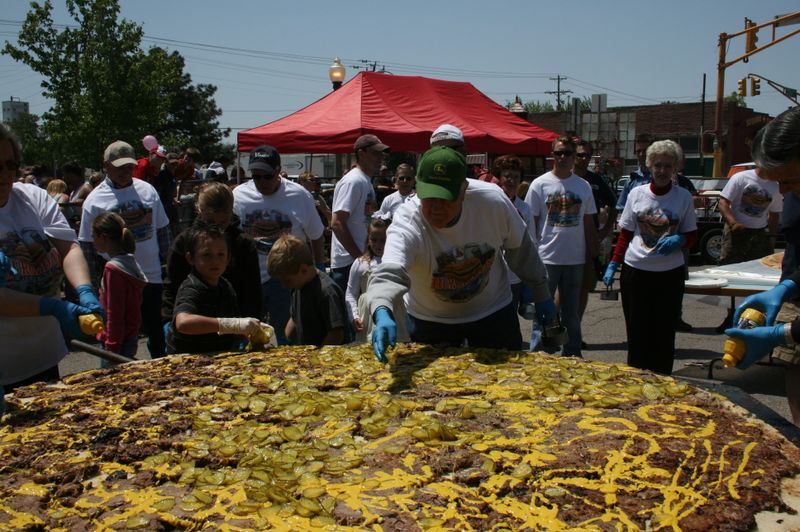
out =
column 9, row 165
column 563, row 153
column 265, row 176
column 583, row 155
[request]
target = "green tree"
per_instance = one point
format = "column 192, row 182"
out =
column 105, row 87
column 735, row 98
column 35, row 147
column 536, row 106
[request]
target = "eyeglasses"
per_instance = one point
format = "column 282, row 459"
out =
column 563, row 153
column 11, row 165
column 405, row 178
column 665, row 166
column 264, row 176
column 583, row 155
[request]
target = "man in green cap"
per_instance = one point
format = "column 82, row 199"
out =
column 444, row 261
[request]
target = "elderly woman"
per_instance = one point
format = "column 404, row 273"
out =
column 37, row 249
column 657, row 223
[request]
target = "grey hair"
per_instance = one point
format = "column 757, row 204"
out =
column 7, row 134
column 778, row 142
column 665, row 147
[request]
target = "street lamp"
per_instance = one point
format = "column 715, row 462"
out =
column 336, row 73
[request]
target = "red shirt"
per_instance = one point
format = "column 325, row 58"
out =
column 145, row 171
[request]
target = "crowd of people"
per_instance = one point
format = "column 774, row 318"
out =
column 427, row 254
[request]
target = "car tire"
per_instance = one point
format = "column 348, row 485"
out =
column 711, row 245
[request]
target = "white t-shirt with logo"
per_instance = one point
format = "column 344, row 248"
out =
column 353, row 194
column 289, row 210
column 752, row 198
column 457, row 274
column 650, row 218
column 141, row 208
column 560, row 205
column 27, row 222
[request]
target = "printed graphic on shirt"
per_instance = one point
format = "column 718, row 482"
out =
column 138, row 217
column 755, row 200
column 462, row 272
column 36, row 260
column 563, row 210
column 265, row 227
column 654, row 223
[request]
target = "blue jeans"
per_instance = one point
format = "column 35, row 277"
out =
column 499, row 330
column 340, row 276
column 151, row 319
column 276, row 301
column 567, row 280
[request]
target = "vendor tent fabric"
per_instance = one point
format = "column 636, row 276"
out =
column 403, row 111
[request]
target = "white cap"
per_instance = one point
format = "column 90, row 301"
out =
column 447, row 135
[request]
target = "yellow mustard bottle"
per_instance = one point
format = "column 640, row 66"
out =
column 734, row 348
column 91, row 324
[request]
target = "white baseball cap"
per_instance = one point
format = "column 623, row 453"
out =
column 447, row 135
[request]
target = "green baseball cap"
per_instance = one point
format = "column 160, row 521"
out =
column 442, row 172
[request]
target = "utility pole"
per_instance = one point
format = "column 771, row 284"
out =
column 750, row 31
column 558, row 92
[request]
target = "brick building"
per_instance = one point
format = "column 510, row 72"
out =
column 612, row 132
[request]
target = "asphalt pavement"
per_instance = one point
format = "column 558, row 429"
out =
column 604, row 332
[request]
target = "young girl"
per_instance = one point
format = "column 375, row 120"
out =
column 206, row 309
column 358, row 280
column 122, row 284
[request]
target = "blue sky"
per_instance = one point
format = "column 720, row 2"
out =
column 638, row 52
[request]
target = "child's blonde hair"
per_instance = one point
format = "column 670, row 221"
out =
column 214, row 197
column 288, row 253
column 56, row 186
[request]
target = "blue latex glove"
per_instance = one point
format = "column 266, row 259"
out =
column 668, row 244
column 6, row 269
column 759, row 341
column 321, row 266
column 88, row 299
column 66, row 313
column 611, row 269
column 385, row 329
column 769, row 302
column 545, row 312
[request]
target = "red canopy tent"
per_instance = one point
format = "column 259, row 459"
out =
column 403, row 111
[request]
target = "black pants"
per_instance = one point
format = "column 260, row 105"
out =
column 651, row 302
column 499, row 330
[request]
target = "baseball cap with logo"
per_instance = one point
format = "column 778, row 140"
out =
column 447, row 135
column 369, row 142
column 264, row 158
column 119, row 153
column 442, row 172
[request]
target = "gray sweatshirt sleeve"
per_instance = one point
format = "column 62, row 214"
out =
column 387, row 284
column 525, row 262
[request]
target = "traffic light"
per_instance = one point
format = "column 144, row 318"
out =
column 742, row 91
column 752, row 35
column 755, row 86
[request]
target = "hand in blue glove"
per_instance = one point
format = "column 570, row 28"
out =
column 66, row 313
column 545, row 312
column 88, row 299
column 608, row 277
column 759, row 342
column 769, row 302
column 6, row 269
column 668, row 244
column 385, row 329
